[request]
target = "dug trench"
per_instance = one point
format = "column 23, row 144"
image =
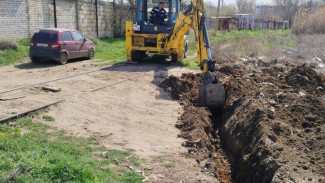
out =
column 271, row 128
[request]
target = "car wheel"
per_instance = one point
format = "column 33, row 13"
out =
column 63, row 58
column 91, row 54
column 35, row 59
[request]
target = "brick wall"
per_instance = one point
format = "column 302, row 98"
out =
column 21, row 18
column 66, row 14
column 105, row 21
column 40, row 14
column 13, row 19
column 87, row 18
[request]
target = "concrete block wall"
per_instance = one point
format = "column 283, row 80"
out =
column 105, row 21
column 41, row 15
column 21, row 18
column 87, row 17
column 13, row 19
column 66, row 14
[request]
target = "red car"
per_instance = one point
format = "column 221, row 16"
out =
column 60, row 45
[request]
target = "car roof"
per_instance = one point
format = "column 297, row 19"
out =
column 57, row 29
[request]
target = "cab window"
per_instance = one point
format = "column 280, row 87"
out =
column 173, row 11
column 155, row 3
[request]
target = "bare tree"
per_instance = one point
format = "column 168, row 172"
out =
column 246, row 6
column 122, row 11
column 288, row 7
column 228, row 10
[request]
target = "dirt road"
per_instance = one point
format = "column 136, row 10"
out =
column 135, row 115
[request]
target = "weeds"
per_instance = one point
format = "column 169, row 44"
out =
column 160, row 158
column 48, row 118
column 8, row 45
column 13, row 52
column 169, row 165
column 309, row 22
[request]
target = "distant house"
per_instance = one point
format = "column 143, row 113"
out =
column 268, row 12
column 233, row 22
column 245, row 21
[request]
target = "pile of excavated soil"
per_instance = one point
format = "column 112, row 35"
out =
column 271, row 128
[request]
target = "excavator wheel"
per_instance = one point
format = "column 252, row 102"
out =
column 174, row 58
column 138, row 56
column 211, row 92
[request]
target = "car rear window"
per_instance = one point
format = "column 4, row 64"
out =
column 45, row 36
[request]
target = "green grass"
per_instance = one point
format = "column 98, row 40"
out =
column 9, row 56
column 109, row 51
column 190, row 63
column 222, row 37
column 116, row 156
column 169, row 165
column 48, row 118
column 243, row 43
column 160, row 158
column 11, row 112
column 42, row 156
column 228, row 36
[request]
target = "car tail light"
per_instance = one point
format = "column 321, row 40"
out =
column 56, row 45
column 141, row 9
column 31, row 43
column 172, row 11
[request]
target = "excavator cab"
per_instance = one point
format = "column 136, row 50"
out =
column 147, row 24
column 145, row 35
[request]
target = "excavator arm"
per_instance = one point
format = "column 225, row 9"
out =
column 211, row 92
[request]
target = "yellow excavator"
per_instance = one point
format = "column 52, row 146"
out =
column 160, row 26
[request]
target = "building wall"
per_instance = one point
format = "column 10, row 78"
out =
column 87, row 18
column 268, row 12
column 40, row 15
column 13, row 19
column 21, row 18
column 105, row 21
column 66, row 14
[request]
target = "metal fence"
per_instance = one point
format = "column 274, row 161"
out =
column 245, row 22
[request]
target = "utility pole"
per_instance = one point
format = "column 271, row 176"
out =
column 55, row 21
column 96, row 7
column 218, row 10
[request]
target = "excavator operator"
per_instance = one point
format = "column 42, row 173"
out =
column 158, row 14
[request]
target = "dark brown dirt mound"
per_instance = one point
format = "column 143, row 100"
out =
column 184, row 89
column 303, row 77
column 272, row 125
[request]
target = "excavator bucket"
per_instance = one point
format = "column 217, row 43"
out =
column 211, row 93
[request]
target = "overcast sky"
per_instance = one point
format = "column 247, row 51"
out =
column 227, row 2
